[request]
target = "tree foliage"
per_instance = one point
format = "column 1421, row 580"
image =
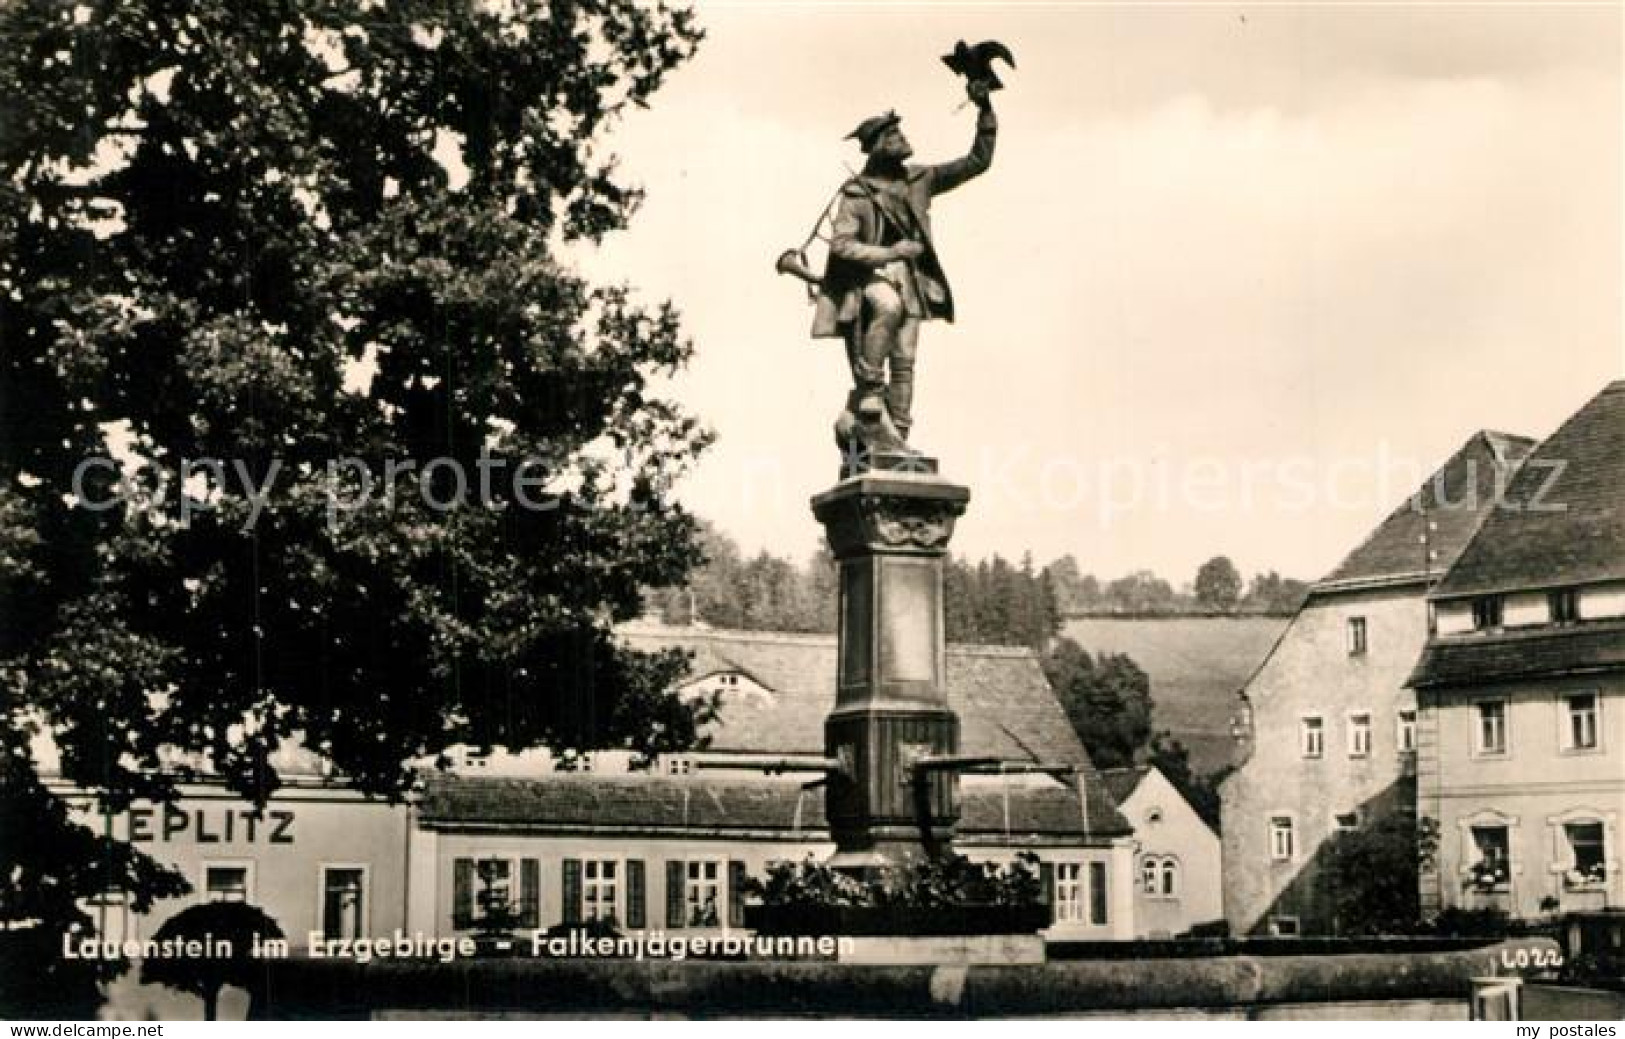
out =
column 1218, row 585
column 314, row 241
column 1372, row 874
column 49, row 865
column 1107, row 698
column 242, row 232
column 990, row 602
column 1143, row 592
column 231, row 928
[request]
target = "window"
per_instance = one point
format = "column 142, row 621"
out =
column 1491, row 869
column 227, row 884
column 1491, row 737
column 702, row 893
column 1069, row 892
column 496, row 891
column 1357, row 636
column 344, row 892
column 1581, row 731
column 1284, row 926
column 1360, row 735
column 1312, row 737
column 1159, row 876
column 1170, row 878
column 1283, row 839
column 600, row 889
column 494, row 888
column 1588, row 866
column 679, row 766
column 1564, row 605
column 1347, row 821
column 1405, row 734
column 1487, row 612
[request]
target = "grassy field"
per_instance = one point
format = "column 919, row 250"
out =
column 1196, row 664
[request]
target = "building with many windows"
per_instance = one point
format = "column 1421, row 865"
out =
column 664, row 847
column 1521, row 688
column 1329, row 726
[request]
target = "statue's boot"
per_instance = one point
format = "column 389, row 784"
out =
column 876, row 427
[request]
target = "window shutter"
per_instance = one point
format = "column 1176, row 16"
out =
column 572, row 890
column 1097, row 893
column 530, row 893
column 1046, row 885
column 462, row 894
column 736, row 893
column 636, row 915
column 676, row 900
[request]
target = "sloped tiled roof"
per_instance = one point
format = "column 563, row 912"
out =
column 1439, row 519
column 658, row 805
column 1563, row 522
column 1516, row 655
column 1005, row 705
column 1122, row 781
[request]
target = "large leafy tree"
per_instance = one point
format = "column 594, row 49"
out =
column 1107, row 698
column 309, row 239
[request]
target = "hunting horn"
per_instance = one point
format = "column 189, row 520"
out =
column 794, row 261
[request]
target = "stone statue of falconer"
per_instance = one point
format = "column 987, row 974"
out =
column 883, row 276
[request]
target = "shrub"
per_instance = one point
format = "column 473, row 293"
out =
column 952, row 880
column 203, row 976
column 1456, row 922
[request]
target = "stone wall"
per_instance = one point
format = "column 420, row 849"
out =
column 1249, row 986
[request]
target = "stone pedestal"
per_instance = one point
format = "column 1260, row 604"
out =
column 889, row 532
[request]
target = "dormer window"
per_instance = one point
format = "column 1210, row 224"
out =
column 1487, row 612
column 1564, row 605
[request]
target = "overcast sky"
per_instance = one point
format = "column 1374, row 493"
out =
column 1238, row 273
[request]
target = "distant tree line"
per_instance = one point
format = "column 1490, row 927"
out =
column 1218, row 588
column 992, row 601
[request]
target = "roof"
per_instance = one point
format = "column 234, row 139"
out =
column 1005, row 705
column 1563, row 521
column 1439, row 519
column 1121, row 782
column 1517, row 655
column 656, row 805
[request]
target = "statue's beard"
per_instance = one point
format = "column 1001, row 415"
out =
column 886, row 165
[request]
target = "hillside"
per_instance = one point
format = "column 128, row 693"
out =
column 1196, row 664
